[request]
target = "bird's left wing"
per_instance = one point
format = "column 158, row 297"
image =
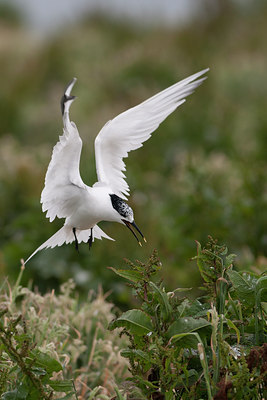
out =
column 64, row 189
column 129, row 130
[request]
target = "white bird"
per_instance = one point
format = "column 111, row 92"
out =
column 65, row 195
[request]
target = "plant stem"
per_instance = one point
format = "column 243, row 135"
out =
column 220, row 333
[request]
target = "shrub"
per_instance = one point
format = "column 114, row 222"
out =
column 196, row 349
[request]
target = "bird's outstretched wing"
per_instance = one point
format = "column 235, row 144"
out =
column 64, row 189
column 129, row 130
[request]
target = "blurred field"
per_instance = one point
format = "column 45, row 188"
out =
column 203, row 171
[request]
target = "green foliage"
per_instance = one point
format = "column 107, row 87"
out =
column 55, row 347
column 167, row 347
column 188, row 349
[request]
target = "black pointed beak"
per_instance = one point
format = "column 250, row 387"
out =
column 67, row 95
column 129, row 225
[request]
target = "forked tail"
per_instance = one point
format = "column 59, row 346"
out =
column 65, row 235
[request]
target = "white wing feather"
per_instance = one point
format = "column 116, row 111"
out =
column 64, row 188
column 129, row 130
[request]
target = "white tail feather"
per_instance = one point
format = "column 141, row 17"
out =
column 83, row 236
column 65, row 235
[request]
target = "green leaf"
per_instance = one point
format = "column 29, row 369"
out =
column 244, row 286
column 143, row 382
column 119, row 395
column 163, row 300
column 231, row 325
column 94, row 392
column 38, row 371
column 206, row 273
column 183, row 307
column 197, row 309
column 137, row 354
column 43, row 360
column 185, row 325
column 264, row 306
column 229, row 260
column 189, row 377
column 61, row 386
column 261, row 287
column 133, row 276
column 13, row 395
column 180, row 289
column 136, row 321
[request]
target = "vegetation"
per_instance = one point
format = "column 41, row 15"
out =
column 212, row 347
column 202, row 172
column 54, row 343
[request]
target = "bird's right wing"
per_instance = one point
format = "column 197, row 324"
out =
column 64, row 189
column 129, row 130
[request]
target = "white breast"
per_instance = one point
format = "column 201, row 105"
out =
column 97, row 208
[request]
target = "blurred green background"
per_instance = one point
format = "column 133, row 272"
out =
column 203, row 172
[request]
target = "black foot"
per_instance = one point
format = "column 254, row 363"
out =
column 76, row 240
column 90, row 240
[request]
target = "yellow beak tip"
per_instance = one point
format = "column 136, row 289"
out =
column 145, row 240
column 140, row 244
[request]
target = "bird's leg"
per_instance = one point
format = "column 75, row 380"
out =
column 90, row 240
column 76, row 240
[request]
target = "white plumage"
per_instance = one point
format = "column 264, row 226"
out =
column 65, row 195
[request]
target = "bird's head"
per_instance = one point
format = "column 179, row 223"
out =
column 127, row 215
column 67, row 98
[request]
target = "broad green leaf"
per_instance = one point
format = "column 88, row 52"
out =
column 261, row 288
column 163, row 300
column 20, row 393
column 43, row 360
column 193, row 337
column 261, row 296
column 136, row 321
column 133, row 276
column 183, row 307
column 185, row 325
column 34, row 394
column 189, row 377
column 23, row 392
column 12, row 395
column 197, row 309
column 244, row 286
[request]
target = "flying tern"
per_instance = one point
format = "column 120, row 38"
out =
column 65, row 195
